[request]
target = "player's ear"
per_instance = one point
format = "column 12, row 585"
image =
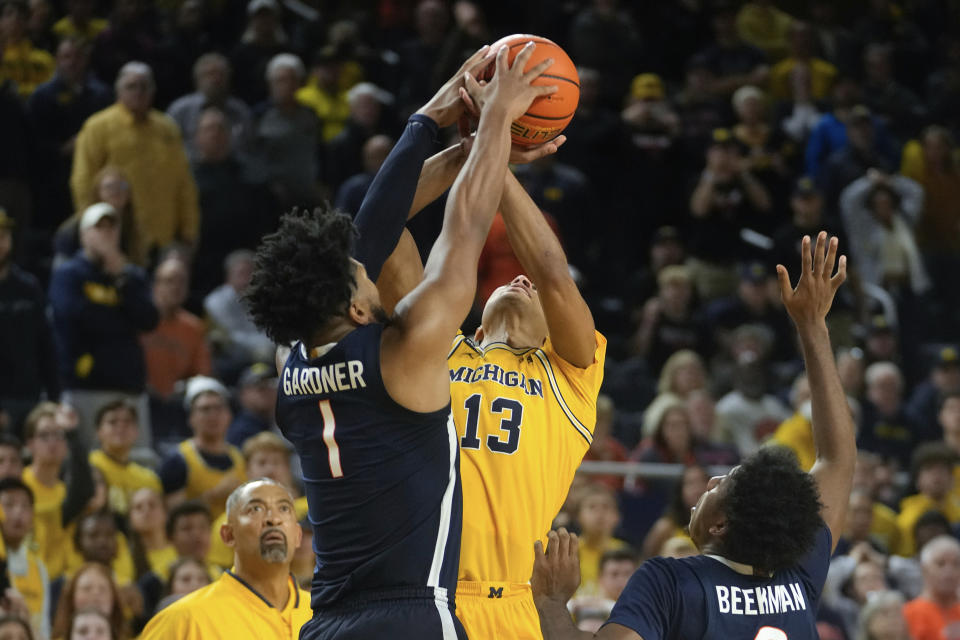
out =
column 478, row 335
column 359, row 313
column 226, row 534
column 718, row 528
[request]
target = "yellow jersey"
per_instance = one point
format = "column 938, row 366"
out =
column 222, row 555
column 524, row 418
column 48, row 531
column 160, row 561
column 201, row 477
column 122, row 565
column 229, row 609
column 123, row 480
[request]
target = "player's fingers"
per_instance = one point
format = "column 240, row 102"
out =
column 841, row 275
column 520, row 62
column 564, row 548
column 831, row 259
column 552, row 543
column 536, row 70
column 545, row 90
column 502, row 59
column 538, row 552
column 786, row 291
column 806, row 259
column 477, row 61
column 574, row 549
column 468, row 103
column 819, row 252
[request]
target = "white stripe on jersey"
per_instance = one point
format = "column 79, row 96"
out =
column 446, row 506
column 446, row 619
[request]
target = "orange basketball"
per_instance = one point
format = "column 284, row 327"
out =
column 549, row 115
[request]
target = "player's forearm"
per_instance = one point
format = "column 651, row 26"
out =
column 833, row 428
column 437, row 175
column 556, row 623
column 532, row 239
column 477, row 189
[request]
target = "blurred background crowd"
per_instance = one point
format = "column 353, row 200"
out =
column 147, row 146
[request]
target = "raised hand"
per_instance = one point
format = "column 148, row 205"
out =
column 511, row 86
column 446, row 107
column 556, row 573
column 812, row 298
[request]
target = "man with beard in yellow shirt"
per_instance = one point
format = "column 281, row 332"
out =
column 259, row 598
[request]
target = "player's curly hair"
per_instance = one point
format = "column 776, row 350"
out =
column 772, row 509
column 302, row 274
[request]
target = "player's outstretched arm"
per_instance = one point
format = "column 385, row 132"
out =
column 568, row 318
column 833, row 429
column 556, row 576
column 385, row 208
column 414, row 349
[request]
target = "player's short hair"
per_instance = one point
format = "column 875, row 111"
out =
column 16, row 484
column 772, row 510
column 624, row 554
column 302, row 274
column 113, row 405
column 184, row 509
column 264, row 441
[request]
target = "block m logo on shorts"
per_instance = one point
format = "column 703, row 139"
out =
column 496, row 592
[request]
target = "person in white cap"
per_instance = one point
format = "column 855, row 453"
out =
column 101, row 303
column 205, row 467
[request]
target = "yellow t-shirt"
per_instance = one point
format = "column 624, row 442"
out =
column 884, row 526
column 229, row 609
column 222, row 555
column 590, row 564
column 202, row 477
column 912, row 507
column 48, row 532
column 123, row 570
column 27, row 66
column 525, row 418
column 795, row 433
column 65, row 27
column 123, row 480
column 161, row 559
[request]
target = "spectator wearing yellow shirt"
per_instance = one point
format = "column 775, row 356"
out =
column 818, row 75
column 146, row 145
column 267, row 456
column 598, row 516
column 26, row 65
column 117, row 428
column 79, row 22
column 188, row 528
column 149, row 543
column 28, row 575
column 324, row 94
column 205, row 467
column 259, row 599
column 933, row 464
column 51, row 434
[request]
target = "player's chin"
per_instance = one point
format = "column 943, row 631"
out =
column 274, row 552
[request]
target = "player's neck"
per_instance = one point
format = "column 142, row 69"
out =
column 333, row 332
column 270, row 580
column 508, row 328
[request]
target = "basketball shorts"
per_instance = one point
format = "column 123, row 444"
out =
column 404, row 614
column 497, row 610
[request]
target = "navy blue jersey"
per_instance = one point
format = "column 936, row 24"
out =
column 701, row 597
column 382, row 482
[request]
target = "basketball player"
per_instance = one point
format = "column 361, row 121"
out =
column 766, row 530
column 365, row 398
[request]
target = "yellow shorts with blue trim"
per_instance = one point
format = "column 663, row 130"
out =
column 497, row 610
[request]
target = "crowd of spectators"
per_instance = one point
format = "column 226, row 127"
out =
column 149, row 145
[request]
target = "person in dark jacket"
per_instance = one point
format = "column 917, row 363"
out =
column 101, row 303
column 27, row 361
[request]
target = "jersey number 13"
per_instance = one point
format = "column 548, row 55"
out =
column 511, row 412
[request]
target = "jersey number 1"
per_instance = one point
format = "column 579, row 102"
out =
column 333, row 451
column 509, row 423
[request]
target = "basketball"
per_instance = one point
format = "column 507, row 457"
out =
column 549, row 115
